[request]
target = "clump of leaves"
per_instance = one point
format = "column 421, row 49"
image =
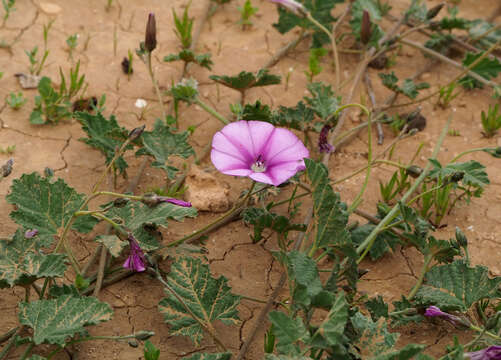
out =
column 446, row 95
column 491, row 122
column 72, row 42
column 183, row 28
column 314, row 67
column 246, row 13
column 188, row 56
column 408, row 88
column 15, row 101
column 52, row 106
column 487, row 68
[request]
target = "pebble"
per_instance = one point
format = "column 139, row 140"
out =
column 499, row 141
column 205, row 192
column 50, row 8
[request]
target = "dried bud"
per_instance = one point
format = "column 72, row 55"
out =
column 323, row 143
column 126, row 66
column 413, row 171
column 136, row 133
column 7, row 168
column 150, row 40
column 454, row 178
column 434, row 11
column 366, row 30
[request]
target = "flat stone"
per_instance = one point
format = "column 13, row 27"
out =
column 205, row 192
column 50, row 8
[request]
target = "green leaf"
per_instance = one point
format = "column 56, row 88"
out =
column 409, row 88
column 104, row 135
column 467, row 284
column 263, row 219
column 288, row 331
column 375, row 16
column 487, row 68
column 112, row 243
column 329, row 212
column 408, row 352
column 304, row 272
column 246, row 80
column 36, row 357
column 53, row 321
column 323, row 101
column 186, row 90
column 256, row 111
column 286, row 357
column 385, row 240
column 480, row 27
column 332, row 328
column 139, row 218
column 46, row 206
column 474, row 172
column 374, row 336
column 150, row 351
column 428, row 295
column 201, row 299
column 299, row 117
column 187, row 55
column 377, row 307
column 161, row 143
column 207, row 356
column 21, row 263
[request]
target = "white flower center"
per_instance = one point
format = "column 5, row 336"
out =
column 259, row 165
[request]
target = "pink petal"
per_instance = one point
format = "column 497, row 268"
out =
column 260, row 133
column 224, row 144
column 281, row 140
column 296, row 152
column 228, row 164
column 263, row 178
column 283, row 172
column 235, row 139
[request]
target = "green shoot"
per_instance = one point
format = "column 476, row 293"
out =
column 491, row 122
column 72, row 42
column 8, row 6
column 246, row 12
column 446, row 95
column 9, row 150
column 314, row 63
column 15, row 101
column 183, row 28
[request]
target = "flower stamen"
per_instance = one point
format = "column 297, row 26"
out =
column 259, row 166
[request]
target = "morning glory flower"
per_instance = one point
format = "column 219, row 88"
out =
column 490, row 353
column 433, row 311
column 259, row 150
column 291, row 5
column 136, row 259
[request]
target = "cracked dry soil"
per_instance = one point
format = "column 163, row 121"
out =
column 250, row 268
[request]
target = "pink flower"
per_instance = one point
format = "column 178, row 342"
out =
column 136, row 260
column 258, row 150
column 292, row 5
column 490, row 353
column 433, row 311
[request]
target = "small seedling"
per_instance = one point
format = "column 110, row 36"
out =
column 9, row 150
column 36, row 64
column 8, row 6
column 446, row 95
column 491, row 122
column 72, row 42
column 314, row 63
column 454, row 132
column 109, row 3
column 246, row 12
column 398, row 184
column 184, row 27
column 15, row 101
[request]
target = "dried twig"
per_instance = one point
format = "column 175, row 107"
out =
column 372, row 97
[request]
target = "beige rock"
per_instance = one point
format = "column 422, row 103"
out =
column 205, row 192
column 50, row 8
column 499, row 141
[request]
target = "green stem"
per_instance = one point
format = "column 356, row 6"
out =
column 488, row 333
column 116, row 226
column 460, row 155
column 9, row 334
column 27, row 351
column 155, row 84
column 419, row 282
column 119, row 195
column 292, row 198
column 364, row 248
column 419, row 196
column 211, row 111
column 8, row 347
column 333, row 44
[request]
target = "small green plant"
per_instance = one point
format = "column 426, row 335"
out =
column 15, row 101
column 491, row 122
column 246, row 12
column 72, row 42
column 8, row 150
column 314, row 67
column 454, row 132
column 36, row 64
column 150, row 351
column 8, row 6
column 52, row 106
column 184, row 27
column 446, row 95
column 109, row 3
column 398, row 184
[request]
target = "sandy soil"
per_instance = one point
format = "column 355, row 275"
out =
column 249, row 268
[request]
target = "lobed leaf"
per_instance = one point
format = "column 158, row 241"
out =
column 54, row 321
column 201, row 299
column 206, row 356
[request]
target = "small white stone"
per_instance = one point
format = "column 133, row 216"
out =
column 141, row 103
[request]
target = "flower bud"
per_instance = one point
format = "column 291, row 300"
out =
column 136, row 133
column 434, row 11
column 461, row 238
column 144, row 335
column 366, row 30
column 29, row 234
column 323, row 143
column 413, row 171
column 150, row 40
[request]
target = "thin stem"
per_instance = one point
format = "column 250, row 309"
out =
column 8, row 347
column 100, row 271
column 488, row 333
column 155, row 84
column 333, row 44
column 419, row 282
column 419, row 196
column 119, row 195
column 211, row 111
column 364, row 248
column 460, row 155
column 9, row 334
column 27, row 351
